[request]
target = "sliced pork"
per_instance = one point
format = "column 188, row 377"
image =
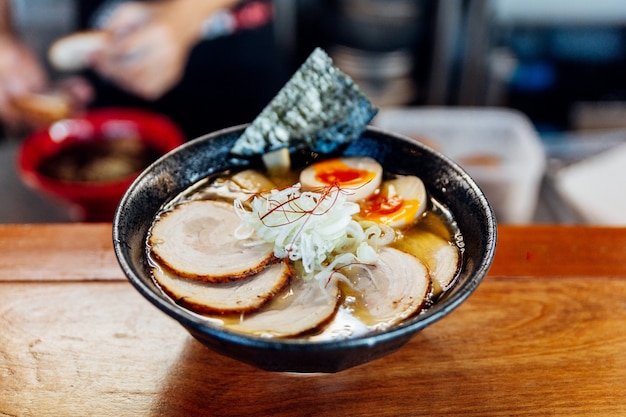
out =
column 303, row 306
column 242, row 185
column 232, row 297
column 396, row 288
column 444, row 265
column 197, row 240
column 442, row 258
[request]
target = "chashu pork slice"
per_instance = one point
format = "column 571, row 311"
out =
column 227, row 297
column 197, row 240
column 395, row 289
column 442, row 258
column 444, row 265
column 303, row 306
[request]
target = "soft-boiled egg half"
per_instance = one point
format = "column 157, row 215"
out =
column 358, row 177
column 399, row 202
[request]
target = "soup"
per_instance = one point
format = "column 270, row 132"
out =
column 335, row 249
column 98, row 160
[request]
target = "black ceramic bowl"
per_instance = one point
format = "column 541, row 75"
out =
column 209, row 154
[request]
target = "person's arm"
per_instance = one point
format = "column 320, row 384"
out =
column 20, row 70
column 151, row 42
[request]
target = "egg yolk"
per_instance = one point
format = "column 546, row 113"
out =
column 334, row 171
column 392, row 211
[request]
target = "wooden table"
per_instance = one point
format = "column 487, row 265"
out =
column 544, row 334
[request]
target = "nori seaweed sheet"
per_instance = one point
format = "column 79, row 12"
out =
column 320, row 107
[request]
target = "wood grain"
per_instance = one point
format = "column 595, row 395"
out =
column 522, row 347
column 551, row 251
column 57, row 252
column 540, row 336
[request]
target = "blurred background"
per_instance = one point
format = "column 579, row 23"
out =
column 541, row 82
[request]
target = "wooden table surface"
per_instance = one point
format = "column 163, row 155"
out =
column 544, row 334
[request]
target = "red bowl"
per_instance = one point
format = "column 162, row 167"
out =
column 93, row 201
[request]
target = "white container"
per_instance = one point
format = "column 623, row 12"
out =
column 499, row 148
column 594, row 187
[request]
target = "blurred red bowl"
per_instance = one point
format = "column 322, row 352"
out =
column 88, row 161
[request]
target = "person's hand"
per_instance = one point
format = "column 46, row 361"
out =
column 21, row 73
column 150, row 44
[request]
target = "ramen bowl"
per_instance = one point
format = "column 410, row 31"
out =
column 87, row 162
column 207, row 155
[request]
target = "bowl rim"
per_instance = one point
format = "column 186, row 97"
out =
column 191, row 320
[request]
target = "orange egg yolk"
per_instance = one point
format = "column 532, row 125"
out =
column 335, row 171
column 388, row 210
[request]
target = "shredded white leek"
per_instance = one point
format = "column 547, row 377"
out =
column 314, row 228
